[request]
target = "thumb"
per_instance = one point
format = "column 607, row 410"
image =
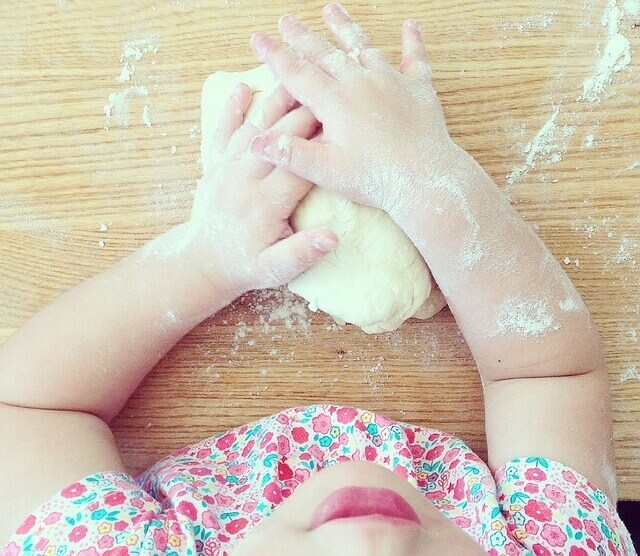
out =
column 313, row 161
column 285, row 260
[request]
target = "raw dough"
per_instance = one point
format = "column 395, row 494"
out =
column 375, row 278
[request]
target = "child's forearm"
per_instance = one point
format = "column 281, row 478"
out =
column 519, row 312
column 90, row 349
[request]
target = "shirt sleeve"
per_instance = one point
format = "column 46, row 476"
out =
column 104, row 514
column 552, row 509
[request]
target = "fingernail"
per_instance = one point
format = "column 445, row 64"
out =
column 260, row 46
column 260, row 145
column 333, row 9
column 287, row 18
column 323, row 244
column 238, row 93
column 413, row 24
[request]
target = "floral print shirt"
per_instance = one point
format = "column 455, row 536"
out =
column 205, row 498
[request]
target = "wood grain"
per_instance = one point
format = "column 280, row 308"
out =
column 501, row 69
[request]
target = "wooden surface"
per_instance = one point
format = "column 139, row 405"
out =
column 502, row 68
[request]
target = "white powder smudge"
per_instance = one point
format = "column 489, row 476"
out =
column 527, row 24
column 524, row 319
column 171, row 315
column 118, row 106
column 103, row 227
column 548, row 145
column 630, row 373
column 569, row 305
column 146, row 120
column 589, row 141
column 627, row 251
column 133, row 51
column 101, row 243
column 194, row 131
column 174, row 149
column 616, row 54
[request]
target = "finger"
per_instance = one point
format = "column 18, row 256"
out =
column 414, row 51
column 232, row 117
column 300, row 123
column 283, row 261
column 285, row 190
column 306, row 82
column 314, row 48
column 313, row 161
column 268, row 112
column 274, row 107
column 351, row 37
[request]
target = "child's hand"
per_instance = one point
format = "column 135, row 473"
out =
column 384, row 130
column 239, row 226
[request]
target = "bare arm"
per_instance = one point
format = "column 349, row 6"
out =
column 71, row 368
column 386, row 145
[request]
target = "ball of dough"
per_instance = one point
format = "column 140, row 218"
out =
column 375, row 278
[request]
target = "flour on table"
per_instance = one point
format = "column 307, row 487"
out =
column 375, row 278
column 615, row 55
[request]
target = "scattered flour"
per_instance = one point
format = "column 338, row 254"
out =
column 524, row 319
column 548, row 146
column 589, row 141
column 616, row 54
column 630, row 373
column 537, row 21
column 118, row 106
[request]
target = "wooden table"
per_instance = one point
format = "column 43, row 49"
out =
column 503, row 68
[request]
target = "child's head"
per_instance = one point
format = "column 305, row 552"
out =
column 290, row 531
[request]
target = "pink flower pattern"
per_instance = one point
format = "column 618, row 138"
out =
column 205, row 498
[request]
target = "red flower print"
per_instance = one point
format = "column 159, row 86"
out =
column 535, row 474
column 540, row 550
column 284, row 472
column 576, row 551
column 272, row 493
column 115, row 499
column 212, row 547
column 200, row 471
column 555, row 493
column 592, row 530
column 139, row 502
column 120, row 525
column 225, row 441
column 301, row 475
column 248, row 448
column 160, row 539
column 236, row 525
column 346, row 415
column 370, row 453
column 27, row 525
column 52, row 518
column 512, row 549
column 451, row 454
column 531, row 527
column 575, row 523
column 531, row 488
column 283, row 444
column 105, row 541
column 73, row 491
column 434, row 452
column 459, row 490
column 119, row 551
column 282, row 418
column 88, row 552
column 224, row 501
column 553, row 535
column 209, row 520
column 417, row 451
column 316, row 452
column 591, row 544
column 584, row 500
column 187, row 509
column 204, row 453
column 537, row 510
column 299, row 434
column 78, row 533
column 321, row 424
column 462, row 522
column 569, row 477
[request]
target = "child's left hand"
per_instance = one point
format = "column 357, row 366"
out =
column 239, row 229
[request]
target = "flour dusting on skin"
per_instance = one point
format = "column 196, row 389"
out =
column 548, row 146
column 616, row 54
column 524, row 319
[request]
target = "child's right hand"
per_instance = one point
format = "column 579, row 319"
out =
column 384, row 129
